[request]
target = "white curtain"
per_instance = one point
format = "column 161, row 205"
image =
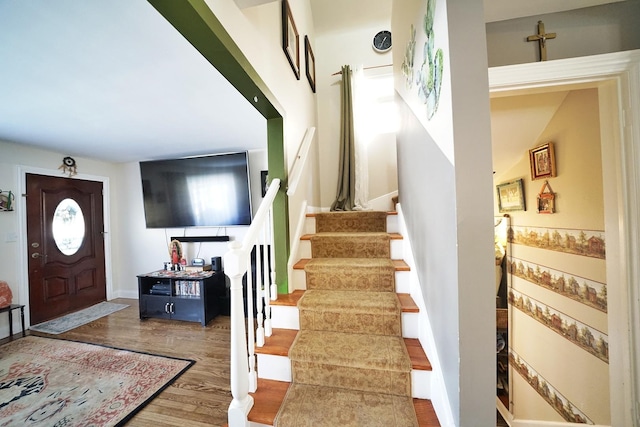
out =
column 360, row 101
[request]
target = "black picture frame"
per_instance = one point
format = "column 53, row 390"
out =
column 290, row 39
column 264, row 175
column 511, row 196
column 310, row 64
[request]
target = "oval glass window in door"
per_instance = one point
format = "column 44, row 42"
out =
column 68, row 226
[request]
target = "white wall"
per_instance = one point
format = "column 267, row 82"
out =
column 444, row 167
column 257, row 33
column 582, row 32
column 333, row 50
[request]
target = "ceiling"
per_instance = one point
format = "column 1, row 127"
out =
column 112, row 80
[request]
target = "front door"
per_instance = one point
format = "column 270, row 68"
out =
column 65, row 245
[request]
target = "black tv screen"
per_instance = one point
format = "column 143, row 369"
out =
column 207, row 191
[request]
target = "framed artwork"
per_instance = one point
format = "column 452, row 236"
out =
column 310, row 64
column 290, row 39
column 511, row 196
column 543, row 161
column 546, row 199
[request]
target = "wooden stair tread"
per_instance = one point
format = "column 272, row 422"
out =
column 267, row 400
column 314, row 214
column 288, row 299
column 291, row 300
column 426, row 414
column 407, row 303
column 278, row 343
column 392, row 236
column 419, row 359
column 270, row 394
column 399, row 264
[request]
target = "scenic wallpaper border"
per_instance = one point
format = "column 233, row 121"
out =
column 548, row 392
column 584, row 336
column 585, row 291
column 590, row 243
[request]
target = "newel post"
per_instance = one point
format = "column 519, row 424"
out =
column 242, row 402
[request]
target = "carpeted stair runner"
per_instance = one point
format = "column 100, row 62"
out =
column 350, row 366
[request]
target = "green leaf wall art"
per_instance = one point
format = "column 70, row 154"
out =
column 428, row 78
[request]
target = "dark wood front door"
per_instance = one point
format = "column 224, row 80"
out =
column 65, row 244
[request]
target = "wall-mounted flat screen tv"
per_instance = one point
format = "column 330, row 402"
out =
column 207, row 191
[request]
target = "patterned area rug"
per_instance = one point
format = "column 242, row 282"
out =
column 79, row 318
column 54, row 382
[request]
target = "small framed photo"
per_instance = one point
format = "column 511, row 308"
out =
column 546, row 203
column 290, row 39
column 511, row 196
column 310, row 64
column 543, row 161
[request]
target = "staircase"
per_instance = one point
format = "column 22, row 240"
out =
column 344, row 350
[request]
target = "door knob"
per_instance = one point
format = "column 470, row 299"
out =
column 37, row 255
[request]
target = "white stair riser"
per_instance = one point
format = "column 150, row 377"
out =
column 278, row 368
column 403, row 281
column 410, row 327
column 272, row 367
column 285, row 317
column 304, row 249
column 420, row 384
column 392, row 224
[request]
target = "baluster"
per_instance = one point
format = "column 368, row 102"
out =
column 259, row 298
column 274, row 286
column 267, row 306
column 253, row 376
column 242, row 402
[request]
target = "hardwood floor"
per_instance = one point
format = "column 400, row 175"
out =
column 200, row 396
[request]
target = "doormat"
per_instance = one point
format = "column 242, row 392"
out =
column 56, row 382
column 79, row 318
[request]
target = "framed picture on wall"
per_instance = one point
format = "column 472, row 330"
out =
column 290, row 39
column 543, row 161
column 310, row 64
column 511, row 196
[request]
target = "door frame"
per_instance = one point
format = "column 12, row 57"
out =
column 617, row 78
column 23, row 272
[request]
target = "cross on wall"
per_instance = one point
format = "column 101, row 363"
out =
column 542, row 38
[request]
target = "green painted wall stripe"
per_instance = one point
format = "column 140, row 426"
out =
column 195, row 21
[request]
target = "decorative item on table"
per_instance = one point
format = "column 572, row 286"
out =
column 175, row 252
column 5, row 294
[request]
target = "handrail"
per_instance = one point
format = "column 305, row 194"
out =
column 300, row 161
column 237, row 262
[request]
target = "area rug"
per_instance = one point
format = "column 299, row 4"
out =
column 55, row 382
column 79, row 318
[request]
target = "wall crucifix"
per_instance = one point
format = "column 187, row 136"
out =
column 542, row 38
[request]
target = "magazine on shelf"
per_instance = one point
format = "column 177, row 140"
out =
column 189, row 288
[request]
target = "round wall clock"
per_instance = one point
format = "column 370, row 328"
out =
column 382, row 41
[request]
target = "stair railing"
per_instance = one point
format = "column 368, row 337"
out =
column 237, row 263
column 300, row 161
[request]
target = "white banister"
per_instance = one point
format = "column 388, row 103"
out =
column 300, row 161
column 237, row 262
